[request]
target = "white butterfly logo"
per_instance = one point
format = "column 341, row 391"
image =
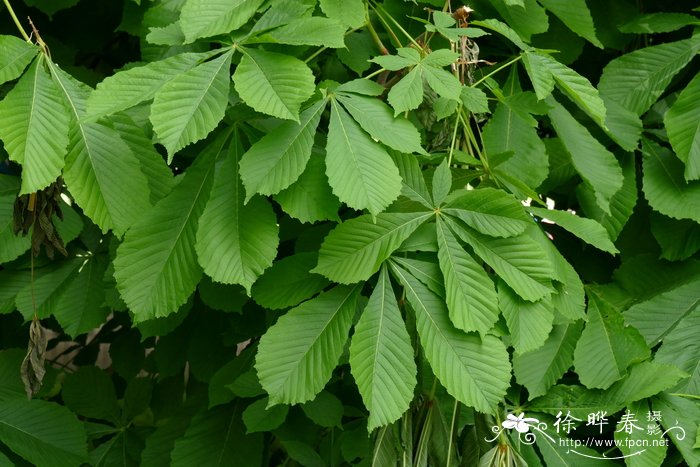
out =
column 520, row 423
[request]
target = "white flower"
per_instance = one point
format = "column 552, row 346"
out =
column 520, row 423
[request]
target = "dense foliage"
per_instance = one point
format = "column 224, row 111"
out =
column 349, row 232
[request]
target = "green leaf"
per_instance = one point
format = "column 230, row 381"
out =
column 258, row 418
column 381, row 357
column 677, row 411
column 130, row 87
column 405, row 57
column 529, row 20
column 442, row 182
column 11, row 386
column 441, row 81
column 217, row 438
column 577, row 88
column 519, row 261
column 621, row 204
column 112, row 202
column 376, row 118
column 490, row 211
column 679, row 239
column 314, row 30
column 682, row 123
column 681, row 348
column 325, row 410
column 587, row 230
column 428, row 272
column 606, row 347
column 576, row 16
column 538, row 370
column 541, row 77
column 355, row 249
column 35, row 127
column 622, row 125
column 413, row 184
column 17, row 54
column 189, row 106
column 297, row 354
column 653, row 23
column 597, row 166
column 474, row 370
column 470, row 294
column 361, row 173
column 272, row 83
column 659, row 315
column 47, row 289
column 474, row 99
column 303, row 454
column 664, row 185
column 156, row 266
column 504, row 30
column 654, row 68
column 278, row 159
column 206, row 18
column 654, row 454
column 89, row 392
column 43, row 433
column 529, row 322
column 310, row 198
column 235, row 242
column 349, row 12
column 288, row 282
column 407, row 94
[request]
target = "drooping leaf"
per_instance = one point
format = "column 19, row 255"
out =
column 35, row 127
column 470, row 294
column 658, row 22
column 17, row 54
column 377, row 119
column 349, row 12
column 272, row 83
column 236, row 242
column 156, row 266
column 490, row 211
column 43, row 433
column 277, row 159
column 654, row 68
column 381, row 357
column 682, row 123
column 519, row 261
column 361, row 173
column 205, row 18
column 587, row 230
column 112, row 202
column 355, row 249
column 664, row 185
column 606, row 347
column 130, row 87
column 189, row 106
column 288, row 282
column 529, row 322
column 325, row 410
column 310, row 198
column 576, row 15
column 538, row 370
column 597, row 166
column 297, row 354
column 474, row 370
column 259, row 418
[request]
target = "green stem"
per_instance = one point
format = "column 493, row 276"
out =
column 454, row 135
column 505, row 65
column 375, row 37
column 17, row 23
column 381, row 11
column 452, row 433
column 373, row 74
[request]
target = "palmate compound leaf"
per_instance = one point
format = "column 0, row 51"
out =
column 189, row 106
column 273, row 83
column 277, row 159
column 519, row 261
column 236, row 242
column 355, row 249
column 474, row 370
column 112, row 191
column 43, row 433
column 130, row 87
column 682, row 123
column 16, row 55
column 360, row 172
column 596, row 165
column 490, row 211
column 470, row 294
column 381, row 357
column 34, row 127
column 297, row 354
column 156, row 266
